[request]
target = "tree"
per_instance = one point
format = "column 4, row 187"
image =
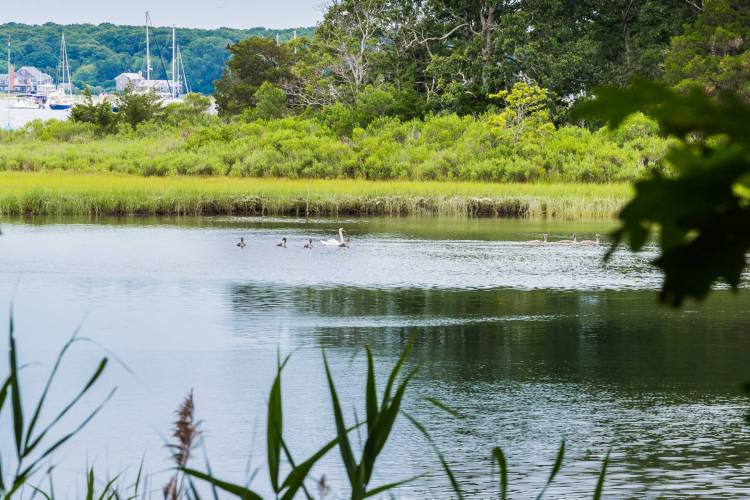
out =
column 253, row 62
column 191, row 109
column 270, row 102
column 100, row 114
column 136, row 108
column 714, row 52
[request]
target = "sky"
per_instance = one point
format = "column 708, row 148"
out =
column 183, row 13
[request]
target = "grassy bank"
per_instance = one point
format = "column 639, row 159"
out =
column 60, row 193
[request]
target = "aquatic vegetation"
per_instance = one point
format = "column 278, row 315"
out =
column 60, row 193
column 381, row 414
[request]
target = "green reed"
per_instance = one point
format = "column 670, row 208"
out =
column 33, row 450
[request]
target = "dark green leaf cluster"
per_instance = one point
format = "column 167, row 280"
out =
column 701, row 214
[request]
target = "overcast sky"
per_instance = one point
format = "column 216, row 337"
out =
column 183, row 13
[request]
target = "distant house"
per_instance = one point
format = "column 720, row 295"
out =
column 25, row 80
column 122, row 81
column 140, row 84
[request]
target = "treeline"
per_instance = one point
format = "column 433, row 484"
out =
column 98, row 53
column 438, row 56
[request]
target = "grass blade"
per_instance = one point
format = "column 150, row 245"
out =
column 77, row 429
column 390, row 486
column 92, row 380
column 448, row 471
column 381, row 431
column 16, row 394
column 234, row 489
column 442, row 406
column 395, row 370
column 50, row 379
column 90, row 484
column 600, row 482
column 274, row 429
column 371, row 398
column 499, row 456
column 555, row 469
column 344, row 446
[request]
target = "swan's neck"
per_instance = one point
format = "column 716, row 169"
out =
column 341, row 235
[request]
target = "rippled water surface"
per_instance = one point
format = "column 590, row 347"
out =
column 530, row 343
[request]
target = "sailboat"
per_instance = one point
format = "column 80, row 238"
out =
column 60, row 100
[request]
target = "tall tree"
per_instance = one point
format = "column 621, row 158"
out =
column 253, row 61
column 714, row 52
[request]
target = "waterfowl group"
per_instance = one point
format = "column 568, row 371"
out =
column 573, row 241
column 342, row 242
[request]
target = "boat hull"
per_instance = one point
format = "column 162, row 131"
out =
column 59, row 107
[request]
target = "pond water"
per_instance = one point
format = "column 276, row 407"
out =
column 529, row 343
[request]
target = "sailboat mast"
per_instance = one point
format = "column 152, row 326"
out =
column 174, row 62
column 8, row 66
column 65, row 69
column 148, row 51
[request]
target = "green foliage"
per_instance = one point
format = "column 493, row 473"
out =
column 98, row 53
column 702, row 213
column 253, row 61
column 334, row 145
column 714, row 52
column 270, row 102
column 99, row 114
column 135, row 108
column 191, row 110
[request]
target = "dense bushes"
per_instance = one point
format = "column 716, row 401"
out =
column 444, row 147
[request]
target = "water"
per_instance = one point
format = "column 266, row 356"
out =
column 13, row 118
column 531, row 344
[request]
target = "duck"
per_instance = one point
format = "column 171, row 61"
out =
column 333, row 242
column 309, row 244
column 282, row 244
column 241, row 243
column 574, row 240
column 539, row 242
column 595, row 241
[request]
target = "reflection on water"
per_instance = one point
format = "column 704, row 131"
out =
column 529, row 343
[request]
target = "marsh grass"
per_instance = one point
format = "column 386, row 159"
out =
column 62, row 193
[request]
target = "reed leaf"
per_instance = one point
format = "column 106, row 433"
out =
column 600, row 482
column 390, row 486
column 347, row 455
column 443, row 462
column 371, row 400
column 15, row 386
column 499, row 457
column 274, row 429
column 89, row 384
column 555, row 469
column 239, row 491
column 50, row 379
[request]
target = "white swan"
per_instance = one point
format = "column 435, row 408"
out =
column 569, row 242
column 333, row 242
column 597, row 241
column 539, row 242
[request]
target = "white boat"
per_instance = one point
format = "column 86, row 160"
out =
column 27, row 103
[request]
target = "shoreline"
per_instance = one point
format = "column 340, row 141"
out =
column 64, row 193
